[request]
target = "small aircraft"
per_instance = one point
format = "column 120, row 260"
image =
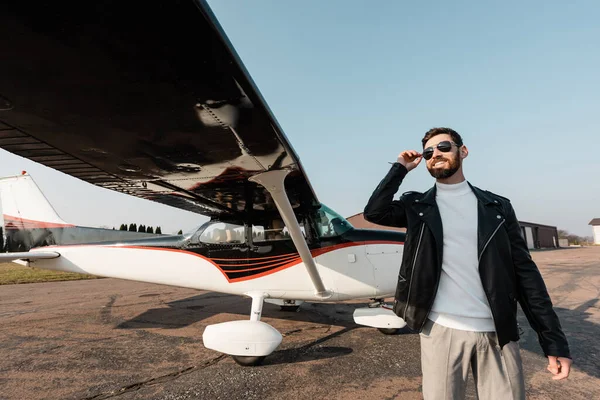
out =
column 28, row 220
column 151, row 100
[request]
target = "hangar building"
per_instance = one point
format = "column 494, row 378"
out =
column 595, row 223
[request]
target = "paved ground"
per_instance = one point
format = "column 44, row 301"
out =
column 109, row 338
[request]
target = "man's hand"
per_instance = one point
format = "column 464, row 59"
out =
column 559, row 366
column 410, row 159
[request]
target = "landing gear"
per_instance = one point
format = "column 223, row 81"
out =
column 290, row 305
column 381, row 316
column 247, row 342
column 386, row 331
column 249, row 361
column 376, row 303
column 286, row 305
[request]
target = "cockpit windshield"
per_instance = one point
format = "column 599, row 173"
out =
column 329, row 223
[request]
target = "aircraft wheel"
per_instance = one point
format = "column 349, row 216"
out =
column 388, row 331
column 290, row 308
column 248, row 361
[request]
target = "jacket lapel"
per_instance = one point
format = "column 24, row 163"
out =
column 426, row 208
column 489, row 216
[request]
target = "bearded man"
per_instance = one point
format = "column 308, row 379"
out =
column 464, row 268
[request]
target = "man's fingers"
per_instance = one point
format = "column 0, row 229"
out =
column 409, row 155
column 410, row 159
column 553, row 365
column 564, row 373
column 554, row 370
column 565, row 368
column 406, row 155
column 559, row 366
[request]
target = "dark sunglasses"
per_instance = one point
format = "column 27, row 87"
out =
column 444, row 147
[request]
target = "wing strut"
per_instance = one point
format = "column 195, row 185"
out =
column 273, row 181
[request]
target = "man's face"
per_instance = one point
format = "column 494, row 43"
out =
column 443, row 165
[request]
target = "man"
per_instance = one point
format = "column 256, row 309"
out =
column 464, row 268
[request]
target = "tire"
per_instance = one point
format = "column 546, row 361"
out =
column 248, row 361
column 388, row 331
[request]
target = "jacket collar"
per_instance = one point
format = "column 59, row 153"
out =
column 488, row 218
column 482, row 196
column 429, row 196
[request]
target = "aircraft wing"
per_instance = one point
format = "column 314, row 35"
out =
column 144, row 98
column 29, row 255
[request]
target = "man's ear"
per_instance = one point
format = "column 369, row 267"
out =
column 464, row 152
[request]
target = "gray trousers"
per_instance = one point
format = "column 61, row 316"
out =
column 447, row 354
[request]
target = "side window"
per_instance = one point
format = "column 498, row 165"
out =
column 329, row 223
column 223, row 233
column 272, row 230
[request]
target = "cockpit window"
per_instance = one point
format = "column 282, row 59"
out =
column 223, row 233
column 329, row 223
column 273, row 229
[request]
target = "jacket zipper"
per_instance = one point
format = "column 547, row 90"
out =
column 490, row 239
column 484, row 291
column 413, row 269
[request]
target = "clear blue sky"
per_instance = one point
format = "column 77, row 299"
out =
column 353, row 83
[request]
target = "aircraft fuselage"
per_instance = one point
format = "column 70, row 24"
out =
column 356, row 264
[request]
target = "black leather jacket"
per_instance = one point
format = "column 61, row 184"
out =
column 507, row 272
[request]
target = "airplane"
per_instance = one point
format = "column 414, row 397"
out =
column 28, row 220
column 150, row 99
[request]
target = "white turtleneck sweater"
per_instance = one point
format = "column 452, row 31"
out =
column 460, row 302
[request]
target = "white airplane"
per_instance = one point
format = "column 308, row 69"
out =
column 161, row 107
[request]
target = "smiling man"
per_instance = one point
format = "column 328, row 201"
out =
column 464, row 268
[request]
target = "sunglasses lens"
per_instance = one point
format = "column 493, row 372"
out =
column 428, row 153
column 444, row 147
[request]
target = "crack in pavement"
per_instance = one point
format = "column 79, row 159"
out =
column 309, row 328
column 105, row 316
column 13, row 313
column 155, row 381
column 174, row 375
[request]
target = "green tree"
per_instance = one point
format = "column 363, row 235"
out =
column 142, row 228
column 180, row 232
column 123, row 227
column 572, row 238
column 158, row 230
column 132, row 228
column 149, row 230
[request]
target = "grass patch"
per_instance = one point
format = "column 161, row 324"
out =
column 11, row 273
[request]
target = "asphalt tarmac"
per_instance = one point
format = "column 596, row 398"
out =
column 108, row 338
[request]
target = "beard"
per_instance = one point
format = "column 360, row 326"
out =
column 443, row 173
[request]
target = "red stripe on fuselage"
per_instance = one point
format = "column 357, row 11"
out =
column 11, row 222
column 296, row 261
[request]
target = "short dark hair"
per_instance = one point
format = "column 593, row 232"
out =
column 440, row 131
